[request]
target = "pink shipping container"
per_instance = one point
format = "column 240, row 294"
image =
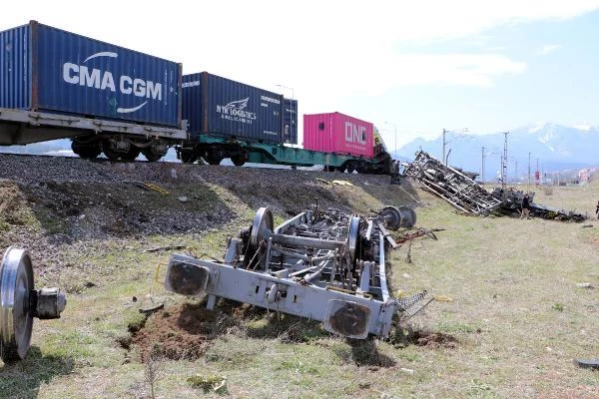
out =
column 338, row 133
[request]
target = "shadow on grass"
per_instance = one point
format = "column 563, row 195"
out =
column 364, row 352
column 23, row 379
column 286, row 328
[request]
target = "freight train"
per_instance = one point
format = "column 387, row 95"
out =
column 118, row 102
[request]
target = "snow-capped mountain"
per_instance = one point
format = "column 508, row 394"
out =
column 556, row 147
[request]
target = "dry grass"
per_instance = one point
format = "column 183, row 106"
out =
column 517, row 314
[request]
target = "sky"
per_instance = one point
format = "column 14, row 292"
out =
column 411, row 68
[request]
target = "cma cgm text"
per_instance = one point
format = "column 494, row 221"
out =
column 102, row 80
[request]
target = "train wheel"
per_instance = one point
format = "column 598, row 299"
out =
column 188, row 156
column 239, row 160
column 91, row 152
column 86, row 151
column 110, row 153
column 151, row 155
column 213, row 159
column 328, row 168
column 351, row 168
column 131, row 154
column 340, row 169
column 16, row 318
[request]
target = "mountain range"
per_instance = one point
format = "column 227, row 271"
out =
column 556, row 148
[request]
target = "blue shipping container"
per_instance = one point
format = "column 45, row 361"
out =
column 48, row 69
column 290, row 118
column 225, row 108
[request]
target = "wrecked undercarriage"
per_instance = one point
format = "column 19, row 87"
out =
column 469, row 197
column 322, row 265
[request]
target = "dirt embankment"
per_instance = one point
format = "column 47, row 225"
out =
column 46, row 202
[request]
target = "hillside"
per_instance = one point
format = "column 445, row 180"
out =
column 89, row 227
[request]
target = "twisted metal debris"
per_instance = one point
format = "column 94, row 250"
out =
column 322, row 265
column 466, row 195
column 457, row 189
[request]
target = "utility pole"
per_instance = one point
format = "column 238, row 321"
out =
column 528, row 188
column 504, row 163
column 395, row 132
column 537, row 175
column 516, row 171
column 443, row 159
column 482, row 166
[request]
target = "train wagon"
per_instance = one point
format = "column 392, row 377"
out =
column 57, row 84
column 230, row 112
column 338, row 133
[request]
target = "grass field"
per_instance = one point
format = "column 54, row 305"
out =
column 520, row 299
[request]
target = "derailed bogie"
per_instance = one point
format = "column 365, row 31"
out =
column 323, row 265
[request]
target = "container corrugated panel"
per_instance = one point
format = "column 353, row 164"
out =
column 338, row 133
column 222, row 107
column 290, row 121
column 15, row 68
column 66, row 73
column 192, row 103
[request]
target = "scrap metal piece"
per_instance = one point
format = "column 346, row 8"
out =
column 587, row 364
column 20, row 303
column 322, row 265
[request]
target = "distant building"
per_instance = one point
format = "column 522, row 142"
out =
column 584, row 175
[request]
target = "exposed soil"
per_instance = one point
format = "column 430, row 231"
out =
column 185, row 331
column 182, row 332
column 432, row 339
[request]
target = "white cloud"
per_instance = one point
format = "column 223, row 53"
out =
column 548, row 48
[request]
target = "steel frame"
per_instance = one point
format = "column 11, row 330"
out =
column 325, row 266
column 25, row 127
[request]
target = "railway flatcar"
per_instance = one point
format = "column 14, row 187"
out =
column 118, row 102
